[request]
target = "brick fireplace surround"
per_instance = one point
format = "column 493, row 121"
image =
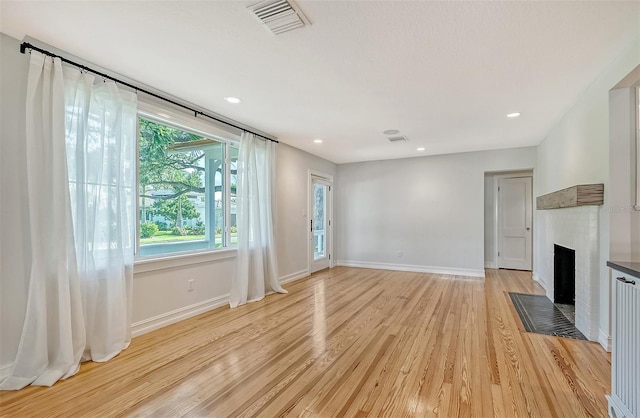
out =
column 572, row 221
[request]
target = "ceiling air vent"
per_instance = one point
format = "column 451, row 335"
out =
column 279, row 16
column 398, row 139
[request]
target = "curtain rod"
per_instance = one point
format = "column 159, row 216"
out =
column 26, row 45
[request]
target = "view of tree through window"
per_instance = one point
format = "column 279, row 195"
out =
column 181, row 185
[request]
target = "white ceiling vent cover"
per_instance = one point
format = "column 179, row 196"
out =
column 279, row 16
column 398, row 139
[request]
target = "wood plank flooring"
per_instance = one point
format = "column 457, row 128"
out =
column 345, row 342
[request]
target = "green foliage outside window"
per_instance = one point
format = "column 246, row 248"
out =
column 148, row 229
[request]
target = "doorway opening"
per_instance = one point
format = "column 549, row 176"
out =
column 320, row 214
column 508, row 220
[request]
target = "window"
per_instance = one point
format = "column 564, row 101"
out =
column 186, row 187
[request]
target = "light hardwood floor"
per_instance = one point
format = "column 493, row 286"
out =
column 345, row 342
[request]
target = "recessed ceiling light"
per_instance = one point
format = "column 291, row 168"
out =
column 317, row 141
column 391, row 132
column 233, row 100
column 420, row 149
column 513, row 115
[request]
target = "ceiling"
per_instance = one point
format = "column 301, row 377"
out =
column 444, row 74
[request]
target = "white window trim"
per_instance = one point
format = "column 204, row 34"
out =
column 188, row 122
column 172, row 260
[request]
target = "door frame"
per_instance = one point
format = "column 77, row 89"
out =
column 328, row 178
column 496, row 211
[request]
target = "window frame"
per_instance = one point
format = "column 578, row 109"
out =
column 229, row 137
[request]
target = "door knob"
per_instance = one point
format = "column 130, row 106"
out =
column 528, row 229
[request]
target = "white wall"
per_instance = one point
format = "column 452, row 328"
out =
column 624, row 221
column 576, row 151
column 160, row 294
column 293, row 223
column 14, row 231
column 429, row 208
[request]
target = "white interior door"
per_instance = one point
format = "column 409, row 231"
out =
column 320, row 224
column 514, row 223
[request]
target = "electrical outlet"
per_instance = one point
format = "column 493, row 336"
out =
column 190, row 284
column 399, row 254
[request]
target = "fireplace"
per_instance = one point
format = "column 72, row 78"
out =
column 575, row 225
column 564, row 275
column 577, row 229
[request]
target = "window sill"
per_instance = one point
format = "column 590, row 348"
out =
column 145, row 265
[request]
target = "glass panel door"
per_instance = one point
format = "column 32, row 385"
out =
column 319, row 226
column 320, row 222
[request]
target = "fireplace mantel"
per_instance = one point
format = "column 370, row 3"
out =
column 579, row 195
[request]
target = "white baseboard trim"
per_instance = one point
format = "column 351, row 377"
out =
column 605, row 340
column 180, row 314
column 5, row 370
column 490, row 265
column 294, row 276
column 168, row 318
column 410, row 267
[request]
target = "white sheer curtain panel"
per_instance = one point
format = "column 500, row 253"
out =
column 101, row 126
column 81, row 184
column 257, row 264
column 53, row 334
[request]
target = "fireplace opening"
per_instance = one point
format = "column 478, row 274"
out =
column 564, row 275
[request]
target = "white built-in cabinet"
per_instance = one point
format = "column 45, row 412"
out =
column 624, row 400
